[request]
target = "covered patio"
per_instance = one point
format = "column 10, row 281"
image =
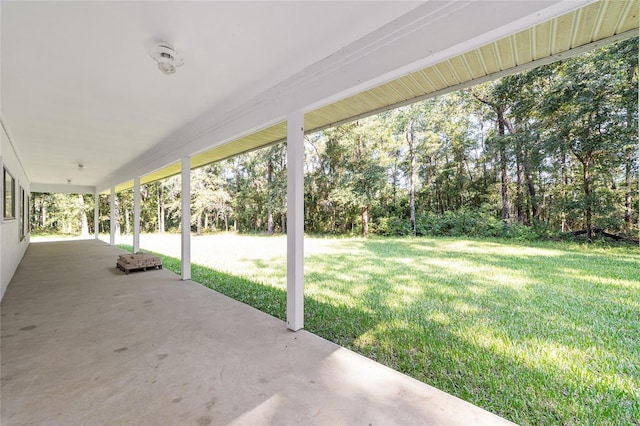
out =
column 148, row 126
column 83, row 343
column 86, row 111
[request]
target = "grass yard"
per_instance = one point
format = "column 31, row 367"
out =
column 539, row 333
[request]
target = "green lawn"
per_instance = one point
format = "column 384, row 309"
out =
column 542, row 333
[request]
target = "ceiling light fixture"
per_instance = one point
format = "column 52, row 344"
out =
column 81, row 167
column 166, row 57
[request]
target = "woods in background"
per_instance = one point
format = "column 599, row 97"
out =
column 550, row 150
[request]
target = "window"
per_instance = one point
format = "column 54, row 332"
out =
column 9, row 196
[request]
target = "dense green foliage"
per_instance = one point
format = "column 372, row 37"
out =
column 546, row 151
column 540, row 333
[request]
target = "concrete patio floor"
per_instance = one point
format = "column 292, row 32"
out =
column 83, row 343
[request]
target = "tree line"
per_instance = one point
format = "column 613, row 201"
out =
column 547, row 151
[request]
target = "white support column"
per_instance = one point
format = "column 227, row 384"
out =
column 186, row 218
column 136, row 215
column 112, row 217
column 295, row 220
column 96, row 215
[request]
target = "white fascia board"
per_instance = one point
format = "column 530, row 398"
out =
column 428, row 34
column 61, row 188
column 422, row 46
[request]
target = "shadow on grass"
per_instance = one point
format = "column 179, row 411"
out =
column 580, row 335
column 555, row 288
column 457, row 330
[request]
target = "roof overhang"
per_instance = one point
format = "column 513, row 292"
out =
column 584, row 28
column 65, row 105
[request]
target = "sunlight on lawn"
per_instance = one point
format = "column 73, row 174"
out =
column 485, row 274
column 606, row 281
column 439, row 317
column 484, row 247
column 542, row 334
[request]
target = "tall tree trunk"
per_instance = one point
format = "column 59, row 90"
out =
column 519, row 184
column 269, row 185
column 365, row 221
column 333, row 220
column 199, row 224
column 117, row 215
column 586, row 186
column 629, row 153
column 158, row 215
column 504, row 191
column 84, row 224
column 394, row 182
column 440, row 201
column 410, row 135
column 628, row 206
column 269, row 221
column 504, row 179
column 160, row 208
column 484, row 161
column 43, row 211
column 503, row 124
column 127, row 222
column 533, row 201
column 563, row 191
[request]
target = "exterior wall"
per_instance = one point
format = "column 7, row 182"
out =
column 12, row 249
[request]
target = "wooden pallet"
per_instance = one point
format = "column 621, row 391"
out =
column 138, row 262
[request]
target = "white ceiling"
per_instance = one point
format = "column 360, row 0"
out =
column 78, row 85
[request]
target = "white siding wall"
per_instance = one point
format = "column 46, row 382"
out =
column 11, row 248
